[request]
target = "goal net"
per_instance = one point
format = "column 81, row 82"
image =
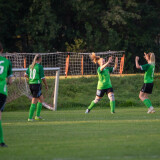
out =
column 69, row 62
column 20, row 86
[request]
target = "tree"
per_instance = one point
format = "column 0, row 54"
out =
column 41, row 26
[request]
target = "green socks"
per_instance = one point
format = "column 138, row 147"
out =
column 39, row 107
column 147, row 103
column 112, row 105
column 31, row 111
column 91, row 105
column 1, row 133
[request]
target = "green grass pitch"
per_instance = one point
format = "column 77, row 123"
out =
column 77, row 93
column 130, row 134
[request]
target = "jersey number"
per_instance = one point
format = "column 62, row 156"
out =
column 1, row 67
column 32, row 73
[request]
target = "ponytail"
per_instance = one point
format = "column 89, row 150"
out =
column 94, row 58
column 37, row 57
column 152, row 57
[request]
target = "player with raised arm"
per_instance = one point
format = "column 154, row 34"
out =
column 148, row 79
column 104, row 82
column 5, row 72
column 35, row 73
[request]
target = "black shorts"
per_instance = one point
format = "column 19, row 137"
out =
column 2, row 101
column 147, row 88
column 101, row 92
column 36, row 90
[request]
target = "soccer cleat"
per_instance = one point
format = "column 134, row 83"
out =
column 113, row 112
column 38, row 118
column 87, row 111
column 30, row 120
column 3, row 145
column 151, row 110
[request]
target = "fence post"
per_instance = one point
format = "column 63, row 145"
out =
column 25, row 62
column 122, row 64
column 67, row 66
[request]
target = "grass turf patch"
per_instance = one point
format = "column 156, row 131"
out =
column 131, row 133
column 77, row 93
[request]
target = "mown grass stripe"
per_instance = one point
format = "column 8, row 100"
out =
column 79, row 122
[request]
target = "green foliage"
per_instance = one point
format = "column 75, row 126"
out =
column 78, row 46
column 41, row 25
column 81, row 26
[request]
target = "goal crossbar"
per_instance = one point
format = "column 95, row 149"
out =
column 55, row 100
column 45, row 69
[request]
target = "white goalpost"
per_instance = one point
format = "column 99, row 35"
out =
column 20, row 86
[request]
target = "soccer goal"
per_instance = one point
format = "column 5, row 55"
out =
column 70, row 63
column 20, row 86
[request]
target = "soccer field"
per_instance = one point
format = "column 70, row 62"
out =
column 129, row 134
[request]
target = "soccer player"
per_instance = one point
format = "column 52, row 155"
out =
column 5, row 72
column 148, row 79
column 35, row 73
column 104, row 82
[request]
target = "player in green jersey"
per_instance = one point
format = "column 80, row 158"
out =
column 5, row 72
column 148, row 79
column 35, row 73
column 104, row 82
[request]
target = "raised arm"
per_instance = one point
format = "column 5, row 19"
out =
column 116, row 63
column 137, row 64
column 145, row 56
column 106, row 64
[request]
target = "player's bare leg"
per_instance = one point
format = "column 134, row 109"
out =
column 93, row 103
column 112, row 102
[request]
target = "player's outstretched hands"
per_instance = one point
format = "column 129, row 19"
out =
column 145, row 55
column 137, row 58
column 110, row 59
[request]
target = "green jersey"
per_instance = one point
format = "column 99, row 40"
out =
column 104, row 81
column 149, row 72
column 36, row 74
column 5, row 72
